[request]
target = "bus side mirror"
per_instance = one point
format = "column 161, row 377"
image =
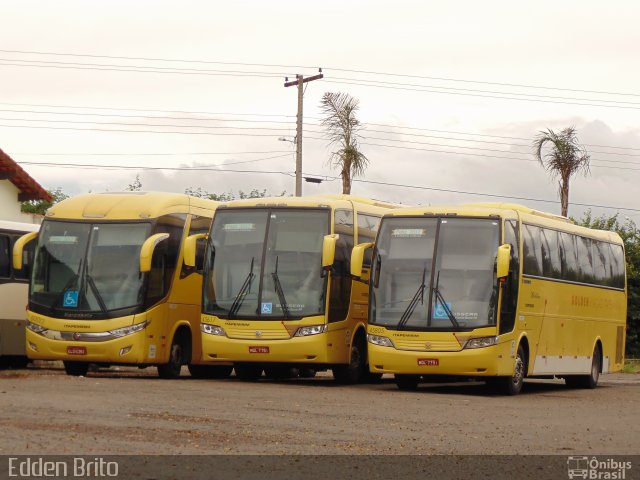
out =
column 329, row 250
column 503, row 258
column 190, row 248
column 357, row 259
column 146, row 252
column 18, row 248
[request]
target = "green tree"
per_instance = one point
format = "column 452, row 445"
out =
column 630, row 234
column 40, row 207
column 134, row 186
column 339, row 118
column 225, row 197
column 563, row 159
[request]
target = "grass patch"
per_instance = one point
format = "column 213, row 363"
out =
column 631, row 365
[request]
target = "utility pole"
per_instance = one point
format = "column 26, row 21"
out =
column 299, row 81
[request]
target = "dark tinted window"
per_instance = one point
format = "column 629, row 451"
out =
column 340, row 294
column 617, row 266
column 551, row 253
column 532, row 250
column 165, row 257
column 568, row 257
column 5, row 257
column 585, row 260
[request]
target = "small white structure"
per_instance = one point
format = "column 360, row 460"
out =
column 17, row 186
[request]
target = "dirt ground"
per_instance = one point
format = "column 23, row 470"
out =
column 130, row 411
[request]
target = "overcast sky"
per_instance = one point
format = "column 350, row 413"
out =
column 451, row 95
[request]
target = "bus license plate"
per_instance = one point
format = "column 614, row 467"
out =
column 258, row 349
column 77, row 350
column 428, row 362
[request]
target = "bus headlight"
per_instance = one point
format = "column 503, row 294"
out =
column 481, row 342
column 378, row 340
column 312, row 330
column 124, row 331
column 35, row 328
column 212, row 329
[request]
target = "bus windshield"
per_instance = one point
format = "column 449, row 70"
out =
column 266, row 264
column 86, row 268
column 435, row 274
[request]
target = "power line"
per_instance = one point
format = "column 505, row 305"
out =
column 176, row 154
column 365, row 72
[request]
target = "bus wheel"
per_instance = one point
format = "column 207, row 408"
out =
column 172, row 368
column 354, row 372
column 280, row 372
column 76, row 369
column 513, row 385
column 407, row 382
column 587, row 381
column 210, row 371
column 248, row 372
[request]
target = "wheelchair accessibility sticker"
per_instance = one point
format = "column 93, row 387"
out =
column 266, row 308
column 439, row 312
column 70, row 298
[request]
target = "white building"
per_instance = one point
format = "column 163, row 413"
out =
column 17, row 186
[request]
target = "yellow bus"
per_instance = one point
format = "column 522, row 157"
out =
column 496, row 291
column 13, row 294
column 278, row 292
column 109, row 285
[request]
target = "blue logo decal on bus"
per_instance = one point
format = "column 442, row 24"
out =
column 266, row 308
column 439, row 312
column 70, row 298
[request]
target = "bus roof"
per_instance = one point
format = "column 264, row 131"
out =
column 323, row 200
column 128, row 206
column 508, row 210
column 18, row 226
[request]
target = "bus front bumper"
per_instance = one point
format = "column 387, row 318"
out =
column 487, row 361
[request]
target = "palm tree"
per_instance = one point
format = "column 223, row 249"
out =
column 565, row 158
column 342, row 126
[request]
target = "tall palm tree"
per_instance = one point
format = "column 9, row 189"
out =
column 563, row 159
column 339, row 111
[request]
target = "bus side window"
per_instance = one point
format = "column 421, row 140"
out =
column 340, row 294
column 568, row 257
column 617, row 266
column 532, row 250
column 585, row 260
column 367, row 230
column 5, row 257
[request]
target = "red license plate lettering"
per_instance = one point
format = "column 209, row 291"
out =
column 428, row 362
column 77, row 350
column 258, row 349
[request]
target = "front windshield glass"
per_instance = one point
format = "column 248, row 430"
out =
column 456, row 291
column 266, row 263
column 82, row 267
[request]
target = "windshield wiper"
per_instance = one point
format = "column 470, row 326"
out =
column 445, row 306
column 95, row 291
column 419, row 295
column 280, row 292
column 242, row 293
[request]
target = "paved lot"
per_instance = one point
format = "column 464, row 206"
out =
column 130, row 411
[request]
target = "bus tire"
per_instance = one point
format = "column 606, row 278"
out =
column 407, row 383
column 590, row 380
column 210, row 371
column 280, row 372
column 513, row 385
column 173, row 367
column 306, row 372
column 76, row 369
column 248, row 372
column 353, row 372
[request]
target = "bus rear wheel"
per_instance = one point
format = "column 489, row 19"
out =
column 210, row 371
column 590, row 380
column 248, row 372
column 407, row 382
column 76, row 369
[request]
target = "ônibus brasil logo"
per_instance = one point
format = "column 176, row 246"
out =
column 597, row 469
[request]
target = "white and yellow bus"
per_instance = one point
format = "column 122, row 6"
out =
column 278, row 292
column 496, row 291
column 14, row 285
column 109, row 285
